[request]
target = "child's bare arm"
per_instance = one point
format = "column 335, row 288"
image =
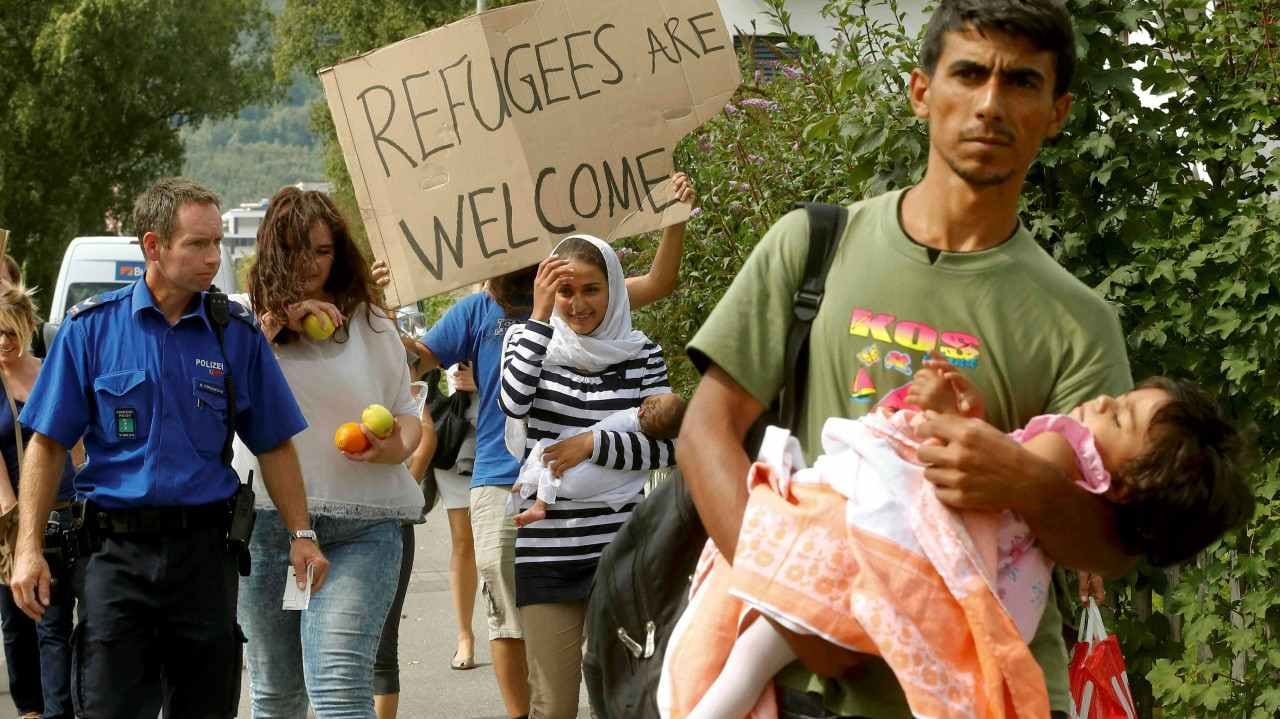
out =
column 1053, row 447
column 940, row 387
column 931, row 391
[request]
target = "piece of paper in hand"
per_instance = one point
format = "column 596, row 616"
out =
column 294, row 598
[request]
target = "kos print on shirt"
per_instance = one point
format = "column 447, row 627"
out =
column 892, row 342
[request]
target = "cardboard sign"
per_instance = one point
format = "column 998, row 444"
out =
column 476, row 146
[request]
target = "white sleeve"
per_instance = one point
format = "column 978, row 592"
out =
column 448, row 379
column 242, row 299
column 386, row 334
column 405, row 404
column 624, row 420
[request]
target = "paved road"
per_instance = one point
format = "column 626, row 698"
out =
column 429, row 689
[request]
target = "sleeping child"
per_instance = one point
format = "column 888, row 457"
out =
column 657, row 417
column 860, row 551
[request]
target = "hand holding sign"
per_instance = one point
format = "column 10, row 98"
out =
column 475, row 147
column 682, row 190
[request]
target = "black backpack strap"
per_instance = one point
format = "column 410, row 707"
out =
column 220, row 316
column 826, row 227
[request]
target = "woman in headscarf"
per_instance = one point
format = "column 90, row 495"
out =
column 473, row 330
column 575, row 361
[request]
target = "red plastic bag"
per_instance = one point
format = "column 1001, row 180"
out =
column 1099, row 685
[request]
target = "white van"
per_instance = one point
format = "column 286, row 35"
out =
column 93, row 265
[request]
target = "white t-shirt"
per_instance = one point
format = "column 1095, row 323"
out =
column 333, row 382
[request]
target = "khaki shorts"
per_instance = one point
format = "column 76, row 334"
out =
column 495, row 542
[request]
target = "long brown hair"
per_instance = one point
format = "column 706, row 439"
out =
column 278, row 278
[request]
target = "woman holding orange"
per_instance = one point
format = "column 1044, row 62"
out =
column 340, row 351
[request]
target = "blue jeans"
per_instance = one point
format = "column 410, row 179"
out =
column 324, row 654
column 386, row 668
column 38, row 655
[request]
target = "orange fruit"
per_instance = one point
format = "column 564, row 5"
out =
column 350, row 438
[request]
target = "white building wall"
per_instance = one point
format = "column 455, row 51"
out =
column 807, row 18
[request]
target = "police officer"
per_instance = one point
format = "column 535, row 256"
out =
column 141, row 374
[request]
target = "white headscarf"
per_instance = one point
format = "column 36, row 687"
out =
column 614, row 340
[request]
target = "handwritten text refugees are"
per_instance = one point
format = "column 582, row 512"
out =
column 483, row 143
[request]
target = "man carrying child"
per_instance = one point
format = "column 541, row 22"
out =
column 942, row 266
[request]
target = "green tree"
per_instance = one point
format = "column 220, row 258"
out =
column 264, row 147
column 93, row 94
column 315, row 34
column 1170, row 208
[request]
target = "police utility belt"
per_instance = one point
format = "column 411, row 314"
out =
column 77, row 530
column 157, row 520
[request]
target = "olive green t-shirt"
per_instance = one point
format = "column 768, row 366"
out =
column 1032, row 337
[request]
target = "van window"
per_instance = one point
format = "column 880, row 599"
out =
column 80, row 291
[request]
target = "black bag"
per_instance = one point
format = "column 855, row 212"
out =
column 449, row 413
column 642, row 582
column 430, row 492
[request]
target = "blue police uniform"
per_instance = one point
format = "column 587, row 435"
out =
column 149, row 400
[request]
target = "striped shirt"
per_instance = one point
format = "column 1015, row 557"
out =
column 556, row 558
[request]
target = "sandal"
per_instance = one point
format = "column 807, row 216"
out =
column 462, row 664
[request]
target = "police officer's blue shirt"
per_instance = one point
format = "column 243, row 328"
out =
column 149, row 399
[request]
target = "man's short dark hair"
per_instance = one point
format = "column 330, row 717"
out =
column 1190, row 487
column 156, row 210
column 1045, row 23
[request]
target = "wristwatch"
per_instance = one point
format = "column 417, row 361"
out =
column 303, row 534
